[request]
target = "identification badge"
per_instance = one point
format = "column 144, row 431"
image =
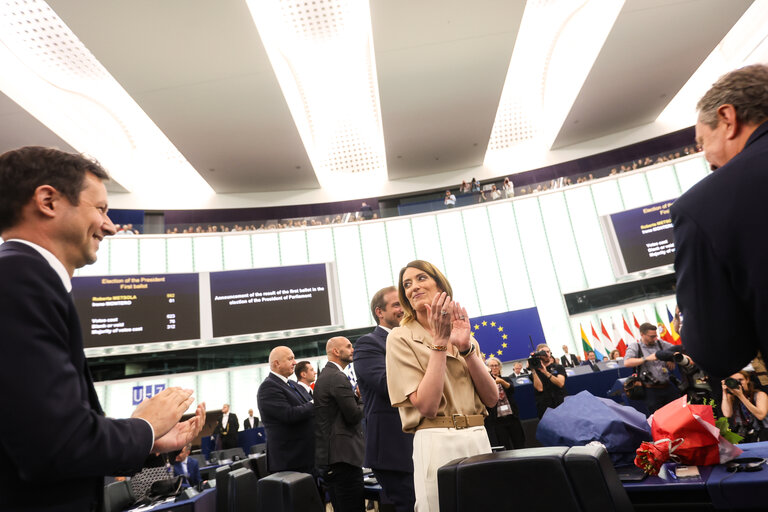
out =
column 504, row 408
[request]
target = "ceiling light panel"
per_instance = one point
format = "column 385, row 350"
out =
column 556, row 46
column 746, row 43
column 50, row 73
column 322, row 54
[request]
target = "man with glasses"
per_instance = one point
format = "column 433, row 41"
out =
column 548, row 379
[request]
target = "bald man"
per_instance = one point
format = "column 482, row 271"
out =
column 339, row 444
column 287, row 415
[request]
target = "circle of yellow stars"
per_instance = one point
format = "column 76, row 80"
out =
column 499, row 328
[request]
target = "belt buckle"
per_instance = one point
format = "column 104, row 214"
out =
column 458, row 426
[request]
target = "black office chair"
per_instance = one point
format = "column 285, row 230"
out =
column 244, row 463
column 118, row 496
column 228, row 454
column 242, row 490
column 527, row 479
column 288, row 491
column 222, row 488
column 595, row 480
column 259, row 448
column 259, row 465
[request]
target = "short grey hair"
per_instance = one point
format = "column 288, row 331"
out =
column 745, row 88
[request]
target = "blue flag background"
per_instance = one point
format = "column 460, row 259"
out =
column 505, row 335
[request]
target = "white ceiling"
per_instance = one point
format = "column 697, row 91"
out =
column 199, row 70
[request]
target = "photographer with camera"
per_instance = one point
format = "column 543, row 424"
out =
column 695, row 382
column 653, row 372
column 548, row 379
column 745, row 407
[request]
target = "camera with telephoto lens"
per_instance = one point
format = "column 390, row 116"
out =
column 535, row 360
column 732, row 383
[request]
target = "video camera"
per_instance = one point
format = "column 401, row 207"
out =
column 535, row 360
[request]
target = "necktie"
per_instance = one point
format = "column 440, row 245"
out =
column 296, row 390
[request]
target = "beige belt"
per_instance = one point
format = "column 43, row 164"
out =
column 457, row 421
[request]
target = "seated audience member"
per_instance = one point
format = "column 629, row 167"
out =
column 745, row 407
column 187, row 467
column 591, row 359
column 615, row 355
column 503, row 420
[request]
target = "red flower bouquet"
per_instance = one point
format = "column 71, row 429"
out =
column 684, row 433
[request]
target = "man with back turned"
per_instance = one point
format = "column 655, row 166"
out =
column 53, row 216
column 719, row 228
column 339, row 444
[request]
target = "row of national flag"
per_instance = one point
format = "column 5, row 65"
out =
column 603, row 344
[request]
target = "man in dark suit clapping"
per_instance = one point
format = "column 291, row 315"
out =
column 287, row 415
column 339, row 444
column 388, row 450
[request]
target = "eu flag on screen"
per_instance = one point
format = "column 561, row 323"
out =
column 506, row 335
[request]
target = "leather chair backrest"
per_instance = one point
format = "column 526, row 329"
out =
column 528, row 479
column 242, row 490
column 228, row 454
column 222, row 488
column 118, row 496
column 244, row 463
column 288, row 491
column 595, row 480
column 259, row 464
column 259, row 448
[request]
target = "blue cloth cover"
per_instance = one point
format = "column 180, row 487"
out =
column 583, row 418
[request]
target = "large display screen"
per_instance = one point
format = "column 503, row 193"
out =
column 640, row 239
column 269, row 299
column 128, row 310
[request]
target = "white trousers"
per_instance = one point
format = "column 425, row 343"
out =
column 435, row 447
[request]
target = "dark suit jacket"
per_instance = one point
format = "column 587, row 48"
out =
column 720, row 261
column 247, row 423
column 193, row 468
column 386, row 445
column 59, row 463
column 289, row 424
column 569, row 360
column 338, row 418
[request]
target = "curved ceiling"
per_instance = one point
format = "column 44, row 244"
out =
column 201, row 72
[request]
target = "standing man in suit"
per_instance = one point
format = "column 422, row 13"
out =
column 251, row 421
column 227, row 428
column 719, row 228
column 184, row 465
column 305, row 376
column 339, row 444
column 53, row 216
column 388, row 450
column 288, row 417
column 569, row 360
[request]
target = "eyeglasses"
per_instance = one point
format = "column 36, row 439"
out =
column 746, row 464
